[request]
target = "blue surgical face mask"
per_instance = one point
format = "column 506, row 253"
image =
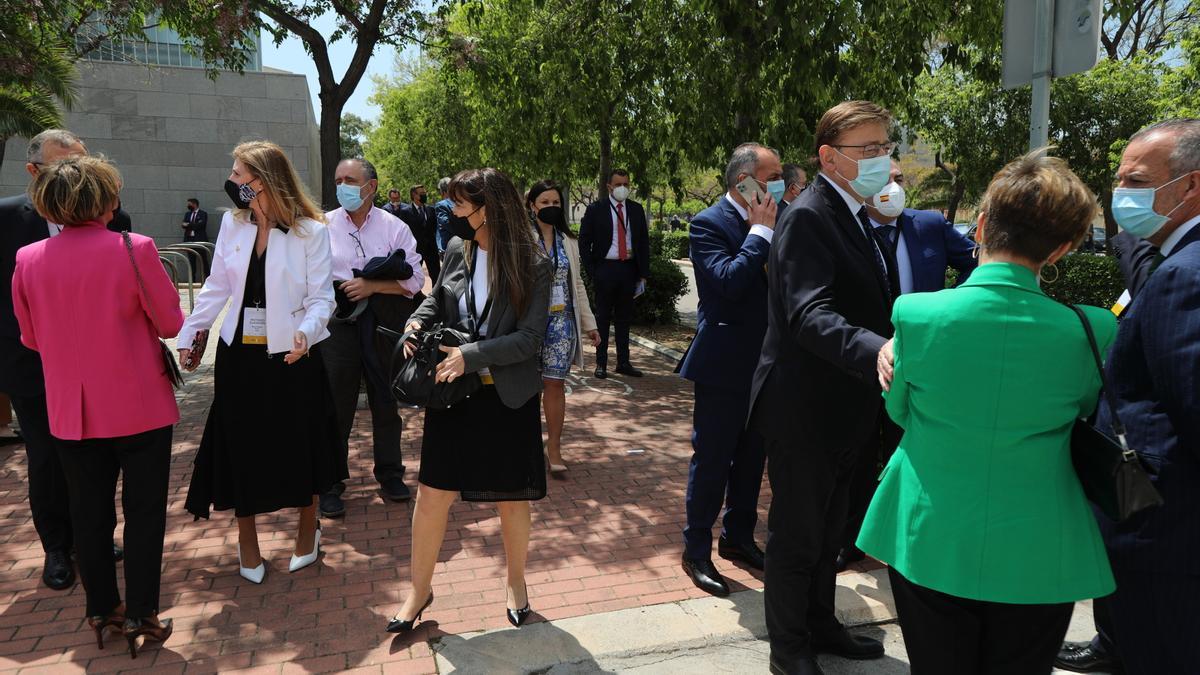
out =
column 350, row 196
column 1133, row 209
column 873, row 174
column 776, row 188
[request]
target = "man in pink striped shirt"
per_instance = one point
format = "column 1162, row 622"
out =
column 358, row 232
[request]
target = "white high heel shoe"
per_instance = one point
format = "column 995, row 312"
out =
column 255, row 575
column 299, row 562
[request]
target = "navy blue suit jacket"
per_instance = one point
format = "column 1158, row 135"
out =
column 933, row 244
column 1154, row 370
column 20, row 367
column 732, row 284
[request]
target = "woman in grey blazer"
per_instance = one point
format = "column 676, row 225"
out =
column 488, row 447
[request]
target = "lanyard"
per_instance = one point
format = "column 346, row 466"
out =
column 553, row 252
column 487, row 306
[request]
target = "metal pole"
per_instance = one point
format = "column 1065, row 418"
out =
column 1043, row 50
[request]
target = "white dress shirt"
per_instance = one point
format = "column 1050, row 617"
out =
column 855, row 206
column 613, row 253
column 380, row 234
column 1176, row 236
column 54, row 228
column 756, row 229
column 903, row 264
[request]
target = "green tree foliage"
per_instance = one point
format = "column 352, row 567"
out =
column 354, row 132
column 1181, row 84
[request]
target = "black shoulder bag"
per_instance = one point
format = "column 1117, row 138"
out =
column 172, row 369
column 1110, row 472
column 414, row 380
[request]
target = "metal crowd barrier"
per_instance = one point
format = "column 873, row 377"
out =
column 175, row 262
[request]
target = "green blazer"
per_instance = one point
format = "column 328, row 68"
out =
column 980, row 500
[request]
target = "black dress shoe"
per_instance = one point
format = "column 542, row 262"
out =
column 118, row 553
column 395, row 490
column 748, row 552
column 804, row 665
column 601, row 373
column 57, row 572
column 846, row 556
column 1084, row 657
column 628, row 369
column 331, row 505
column 706, row 577
column 845, row 645
column 398, row 625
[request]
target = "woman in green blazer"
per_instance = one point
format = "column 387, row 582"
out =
column 979, row 512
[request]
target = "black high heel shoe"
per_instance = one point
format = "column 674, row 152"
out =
column 403, row 626
column 99, row 623
column 517, row 616
column 135, row 628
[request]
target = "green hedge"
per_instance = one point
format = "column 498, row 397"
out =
column 1086, row 279
column 675, row 245
column 667, row 283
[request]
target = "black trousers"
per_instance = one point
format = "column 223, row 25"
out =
column 615, row 282
column 1153, row 619
column 948, row 635
column 343, row 356
column 91, row 467
column 726, row 468
column 810, row 487
column 48, row 498
column 871, row 461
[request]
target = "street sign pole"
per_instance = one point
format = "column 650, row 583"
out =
column 1039, row 112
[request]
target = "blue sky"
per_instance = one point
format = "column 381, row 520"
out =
column 290, row 56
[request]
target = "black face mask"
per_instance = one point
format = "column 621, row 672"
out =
column 551, row 215
column 423, row 198
column 191, row 208
column 461, row 227
column 240, row 194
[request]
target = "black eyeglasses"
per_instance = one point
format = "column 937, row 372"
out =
column 362, row 253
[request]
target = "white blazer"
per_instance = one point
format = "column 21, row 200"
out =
column 298, row 277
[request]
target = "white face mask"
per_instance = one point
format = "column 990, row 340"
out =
column 620, row 193
column 890, row 200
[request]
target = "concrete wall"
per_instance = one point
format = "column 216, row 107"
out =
column 170, row 131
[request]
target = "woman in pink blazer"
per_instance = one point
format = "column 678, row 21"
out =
column 111, row 407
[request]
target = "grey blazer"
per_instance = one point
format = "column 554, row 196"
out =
column 513, row 343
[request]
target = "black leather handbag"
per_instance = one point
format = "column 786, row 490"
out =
column 414, row 379
column 1110, row 472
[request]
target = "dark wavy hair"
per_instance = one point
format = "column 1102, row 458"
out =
column 512, row 251
column 546, row 186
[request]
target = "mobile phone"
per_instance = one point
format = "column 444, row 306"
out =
column 750, row 191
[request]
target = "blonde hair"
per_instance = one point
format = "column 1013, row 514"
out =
column 289, row 198
column 848, row 115
column 76, row 190
column 1034, row 205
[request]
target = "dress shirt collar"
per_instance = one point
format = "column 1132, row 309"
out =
column 740, row 209
column 341, row 216
column 852, row 202
column 1176, row 236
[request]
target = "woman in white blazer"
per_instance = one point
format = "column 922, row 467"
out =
column 570, row 313
column 269, row 439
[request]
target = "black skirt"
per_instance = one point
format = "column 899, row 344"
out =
column 485, row 450
column 270, row 437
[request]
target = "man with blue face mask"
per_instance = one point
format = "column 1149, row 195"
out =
column 815, row 397
column 358, row 232
column 728, row 244
column 1154, row 368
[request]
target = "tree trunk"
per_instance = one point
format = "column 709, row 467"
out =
column 1110, row 223
column 331, row 147
column 605, row 156
column 956, row 196
column 3, row 145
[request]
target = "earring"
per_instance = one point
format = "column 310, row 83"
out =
column 975, row 251
column 1043, row 278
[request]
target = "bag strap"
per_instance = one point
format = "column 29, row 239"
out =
column 141, row 285
column 1110, row 398
column 487, row 306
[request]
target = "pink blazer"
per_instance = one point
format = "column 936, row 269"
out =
column 78, row 304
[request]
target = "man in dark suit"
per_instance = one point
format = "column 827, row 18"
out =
column 394, row 205
column 794, row 182
column 815, row 397
column 195, row 222
column 614, row 248
column 728, row 244
column 21, row 368
column 1154, row 371
column 923, row 243
column 121, row 222
column 422, row 220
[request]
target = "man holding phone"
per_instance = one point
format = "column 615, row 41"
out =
column 729, row 244
column 614, row 248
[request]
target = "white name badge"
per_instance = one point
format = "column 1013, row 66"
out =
column 558, row 299
column 254, row 326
